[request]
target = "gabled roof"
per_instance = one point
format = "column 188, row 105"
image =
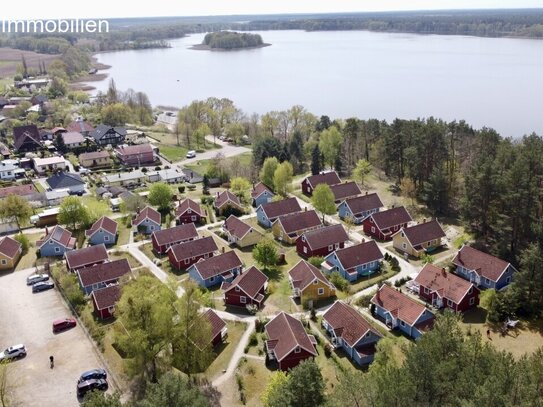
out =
column 236, row 227
column 23, row 133
column 259, row 189
column 189, row 204
column 273, row 210
column 72, row 137
column 86, row 256
column 423, row 232
column 217, row 265
column 391, row 217
column 359, row 254
column 325, row 236
column 134, row 150
column 286, row 333
column 250, row 282
column 64, row 180
column 194, row 248
column 102, row 129
column 102, row 273
column 398, row 304
column 175, row 234
column 105, row 223
column 296, row 222
column 445, row 284
column 94, row 155
column 363, row 203
column 483, row 264
column 80, row 126
column 147, row 213
column 107, row 297
column 216, row 322
column 226, row 197
column 21, row 190
column 348, row 323
column 9, row 247
column 303, row 274
column 59, row 235
column 345, row 190
column 330, row 178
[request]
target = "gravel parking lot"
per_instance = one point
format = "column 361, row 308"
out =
column 27, row 318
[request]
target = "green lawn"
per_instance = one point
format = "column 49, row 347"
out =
column 39, row 187
column 225, row 351
column 201, row 166
column 173, row 153
column 117, row 255
column 147, row 249
column 124, row 234
column 29, row 259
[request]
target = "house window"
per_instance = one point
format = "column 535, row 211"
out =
column 211, row 279
column 297, row 350
column 472, row 301
column 364, row 266
column 4, row 262
column 487, row 281
column 330, row 248
column 449, row 303
column 193, row 218
column 373, row 229
column 243, row 299
column 426, row 290
column 152, row 228
column 337, row 246
column 402, row 323
column 321, row 291
column 189, row 211
column 305, row 248
column 205, row 256
column 50, row 242
column 57, row 249
column 402, row 234
column 470, row 290
column 237, row 288
column 404, row 246
column 187, row 261
column 508, row 279
column 106, row 238
column 315, row 281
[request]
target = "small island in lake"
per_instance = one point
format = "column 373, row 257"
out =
column 230, row 40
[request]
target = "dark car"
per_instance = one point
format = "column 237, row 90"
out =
column 62, row 324
column 93, row 374
column 36, row 278
column 42, row 286
column 90, row 385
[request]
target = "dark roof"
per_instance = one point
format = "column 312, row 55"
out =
column 216, row 322
column 250, row 282
column 94, row 155
column 64, row 180
column 484, row 264
column 80, row 126
column 217, row 265
column 304, row 273
column 58, row 234
column 391, row 217
column 102, row 273
column 22, row 133
column 186, row 204
column 226, row 197
column 105, row 223
column 424, row 232
column 236, row 227
column 286, row 333
column 398, row 304
column 102, row 129
column 445, row 284
column 22, row 190
column 72, row 137
column 279, row 208
column 329, row 178
column 194, row 248
column 135, row 150
column 364, row 203
column 259, row 189
column 345, row 190
column 348, row 323
column 362, row 253
column 175, row 234
column 299, row 221
column 147, row 212
column 9, row 247
column 86, row 256
column 325, row 236
column 107, row 297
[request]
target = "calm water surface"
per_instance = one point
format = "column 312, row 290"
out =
column 487, row 82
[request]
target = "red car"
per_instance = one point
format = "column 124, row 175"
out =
column 63, row 324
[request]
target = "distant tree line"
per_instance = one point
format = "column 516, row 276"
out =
column 232, row 40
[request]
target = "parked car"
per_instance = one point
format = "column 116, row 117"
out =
column 191, row 154
column 78, row 193
column 13, row 352
column 93, row 374
column 63, row 324
column 44, row 285
column 36, row 278
column 90, row 385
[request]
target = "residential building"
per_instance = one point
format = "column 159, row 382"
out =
column 95, row 159
column 227, row 201
column 345, row 190
column 321, row 241
column 125, row 179
column 26, row 139
column 311, row 182
column 214, row 270
column 240, row 233
column 10, row 253
column 138, row 155
column 359, row 208
column 27, row 191
column 419, row 239
column 56, row 242
column 170, row 176
column 189, row 211
column 164, row 239
column 10, row 171
column 288, row 228
column 268, row 212
column 103, row 231
column 308, row 283
column 261, row 194
column 73, row 139
column 105, row 299
column 42, row 165
column 382, row 225
column 248, row 288
column 354, row 262
column 147, row 221
column 66, row 181
column 104, row 135
column 86, row 257
column 80, row 126
column 103, row 274
column 184, row 255
column 219, row 331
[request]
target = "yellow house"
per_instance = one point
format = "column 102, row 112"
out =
column 240, row 233
column 10, row 253
column 419, row 239
column 95, row 159
column 309, row 283
column 288, row 228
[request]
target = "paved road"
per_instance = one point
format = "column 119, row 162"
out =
column 227, row 150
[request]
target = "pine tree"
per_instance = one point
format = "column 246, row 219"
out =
column 316, row 160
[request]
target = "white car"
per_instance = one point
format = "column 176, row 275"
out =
column 13, row 352
column 191, row 154
column 36, row 278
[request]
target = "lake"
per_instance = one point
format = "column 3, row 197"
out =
column 493, row 82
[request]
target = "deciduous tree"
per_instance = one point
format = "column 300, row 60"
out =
column 282, row 178
column 265, row 253
column 268, row 171
column 172, row 390
column 330, row 145
column 160, row 195
column 323, row 200
column 73, row 213
column 15, row 208
column 361, row 171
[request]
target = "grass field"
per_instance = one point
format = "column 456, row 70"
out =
column 29, row 259
column 201, row 166
column 225, row 351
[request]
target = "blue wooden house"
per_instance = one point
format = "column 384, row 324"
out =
column 261, row 194
column 351, row 332
column 482, row 269
column 102, row 275
column 147, row 221
column 214, row 270
column 360, row 207
column 355, row 261
column 103, row 231
column 268, row 212
column 398, row 311
column 56, row 242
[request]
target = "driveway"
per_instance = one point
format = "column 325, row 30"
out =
column 26, row 318
column 227, row 150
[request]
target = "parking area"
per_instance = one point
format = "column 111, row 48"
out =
column 27, row 318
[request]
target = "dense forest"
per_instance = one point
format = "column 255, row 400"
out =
column 232, row 40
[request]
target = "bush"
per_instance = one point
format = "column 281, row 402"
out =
column 252, row 309
column 25, row 243
column 73, row 292
column 313, row 315
column 181, row 189
column 144, row 170
column 339, row 282
column 316, row 261
column 260, row 324
column 207, row 200
column 328, row 350
column 158, row 168
column 253, row 339
column 364, row 301
column 401, row 281
column 191, row 187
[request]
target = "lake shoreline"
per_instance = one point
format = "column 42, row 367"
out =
column 204, row 47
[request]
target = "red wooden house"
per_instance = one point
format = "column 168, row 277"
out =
column 246, row 288
column 218, row 327
column 184, row 255
column 446, row 290
column 345, row 190
column 288, row 343
column 382, row 225
column 105, row 299
column 322, row 241
column 311, row 182
column 86, row 257
column 189, row 211
column 166, row 238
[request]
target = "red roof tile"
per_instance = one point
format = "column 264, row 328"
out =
column 80, row 126
column 9, row 247
column 189, row 204
column 325, row 236
column 353, row 326
column 445, row 284
column 86, row 256
column 363, row 203
column 391, row 217
column 236, row 227
column 216, row 322
column 304, row 273
column 22, row 190
column 259, row 189
column 345, row 190
column 330, row 178
column 398, row 304
column 176, row 234
column 298, row 222
column 147, row 213
column 217, row 265
column 102, row 273
column 104, row 223
column 484, row 264
column 250, row 282
column 273, row 210
column 194, row 248
column 73, row 137
column 107, row 297
column 134, row 150
column 94, row 155
column 424, row 232
column 362, row 253
column 286, row 333
column 227, row 197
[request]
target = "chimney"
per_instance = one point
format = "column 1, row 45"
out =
column 138, row 210
column 444, row 272
column 222, row 249
column 366, row 192
column 424, row 220
column 363, row 240
column 217, row 194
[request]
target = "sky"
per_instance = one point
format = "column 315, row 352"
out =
column 53, row 9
